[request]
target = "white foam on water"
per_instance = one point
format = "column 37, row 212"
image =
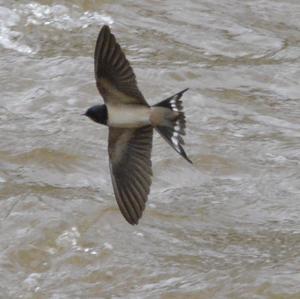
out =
column 11, row 39
column 62, row 17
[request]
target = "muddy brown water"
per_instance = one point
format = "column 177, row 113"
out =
column 226, row 227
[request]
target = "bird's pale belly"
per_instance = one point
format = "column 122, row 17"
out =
column 128, row 116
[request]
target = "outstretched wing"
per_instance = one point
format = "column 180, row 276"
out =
column 130, row 167
column 115, row 78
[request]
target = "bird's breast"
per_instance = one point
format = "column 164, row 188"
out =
column 128, row 116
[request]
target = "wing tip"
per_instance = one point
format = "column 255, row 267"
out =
column 135, row 222
column 131, row 220
column 105, row 27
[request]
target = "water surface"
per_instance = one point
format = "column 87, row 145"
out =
column 226, row 227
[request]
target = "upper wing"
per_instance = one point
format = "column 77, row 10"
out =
column 115, row 78
column 130, row 167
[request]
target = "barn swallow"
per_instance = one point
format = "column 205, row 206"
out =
column 131, row 120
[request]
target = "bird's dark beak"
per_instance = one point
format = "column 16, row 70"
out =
column 83, row 114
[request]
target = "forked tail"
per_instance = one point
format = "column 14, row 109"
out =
column 174, row 127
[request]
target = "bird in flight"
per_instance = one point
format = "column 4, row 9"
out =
column 131, row 120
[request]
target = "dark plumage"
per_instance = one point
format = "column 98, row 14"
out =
column 98, row 114
column 131, row 122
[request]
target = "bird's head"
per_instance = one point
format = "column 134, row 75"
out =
column 97, row 113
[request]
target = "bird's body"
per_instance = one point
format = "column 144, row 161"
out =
column 128, row 116
column 131, row 121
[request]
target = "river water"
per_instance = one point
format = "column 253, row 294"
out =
column 227, row 226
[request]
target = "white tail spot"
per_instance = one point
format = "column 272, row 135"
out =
column 175, row 140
